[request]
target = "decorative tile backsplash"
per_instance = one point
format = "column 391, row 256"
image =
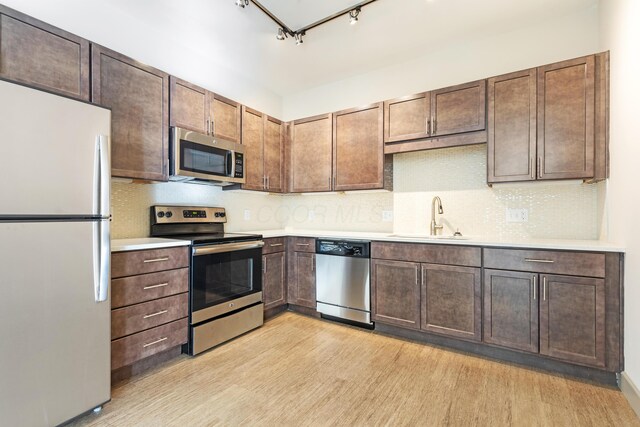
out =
column 560, row 209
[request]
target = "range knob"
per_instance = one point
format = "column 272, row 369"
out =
column 222, row 214
column 168, row 214
column 217, row 214
column 160, row 214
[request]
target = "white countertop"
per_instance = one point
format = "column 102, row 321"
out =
column 560, row 244
column 121, row 245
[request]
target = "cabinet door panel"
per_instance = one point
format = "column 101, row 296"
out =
column 188, row 106
column 572, row 319
column 566, row 108
column 253, row 141
column 451, row 301
column 458, row 109
column 273, row 280
column 138, row 98
column 512, row 127
column 273, row 154
column 225, row 114
column 311, row 154
column 358, row 149
column 43, row 56
column 406, row 118
column 511, row 309
column 395, row 293
column 303, row 284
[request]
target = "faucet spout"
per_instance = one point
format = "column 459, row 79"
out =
column 434, row 227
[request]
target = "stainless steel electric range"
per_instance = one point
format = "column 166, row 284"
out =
column 225, row 286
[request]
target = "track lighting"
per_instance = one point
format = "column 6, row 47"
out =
column 281, row 34
column 353, row 16
column 242, row 3
column 298, row 38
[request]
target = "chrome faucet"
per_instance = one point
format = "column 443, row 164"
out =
column 435, row 227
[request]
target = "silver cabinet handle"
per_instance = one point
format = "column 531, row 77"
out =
column 273, row 245
column 155, row 314
column 544, row 288
column 535, row 296
column 428, row 123
column 302, row 244
column 213, row 127
column 208, row 127
column 546, row 261
column 156, row 260
column 159, row 285
column 154, row 342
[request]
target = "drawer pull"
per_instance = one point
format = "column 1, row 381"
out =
column 159, row 285
column 156, row 260
column 273, row 245
column 155, row 314
column 302, row 244
column 154, row 342
column 547, row 261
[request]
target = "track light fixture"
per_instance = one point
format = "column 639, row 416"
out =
column 353, row 16
column 281, row 34
column 298, row 38
column 242, row 3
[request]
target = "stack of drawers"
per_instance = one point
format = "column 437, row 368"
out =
column 149, row 301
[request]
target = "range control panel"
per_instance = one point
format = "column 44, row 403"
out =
column 186, row 214
column 348, row 248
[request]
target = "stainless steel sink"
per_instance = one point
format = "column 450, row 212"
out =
column 428, row 237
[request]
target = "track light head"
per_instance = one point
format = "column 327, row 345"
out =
column 281, row 34
column 353, row 16
column 298, row 37
column 242, row 3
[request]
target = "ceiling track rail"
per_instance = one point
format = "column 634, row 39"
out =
column 303, row 30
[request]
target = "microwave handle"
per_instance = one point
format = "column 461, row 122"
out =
column 230, row 163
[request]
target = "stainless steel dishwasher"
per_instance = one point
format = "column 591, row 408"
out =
column 342, row 280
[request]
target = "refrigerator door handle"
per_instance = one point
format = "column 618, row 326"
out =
column 101, row 228
column 104, row 184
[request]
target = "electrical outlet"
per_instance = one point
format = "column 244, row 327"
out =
column 247, row 215
column 517, row 215
column 387, row 216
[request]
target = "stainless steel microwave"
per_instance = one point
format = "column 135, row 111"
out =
column 204, row 159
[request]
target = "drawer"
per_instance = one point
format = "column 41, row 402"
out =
column 146, row 287
column 434, row 254
column 140, row 262
column 276, row 244
column 128, row 350
column 554, row 262
column 136, row 318
column 302, row 244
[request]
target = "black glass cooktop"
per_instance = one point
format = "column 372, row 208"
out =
column 207, row 239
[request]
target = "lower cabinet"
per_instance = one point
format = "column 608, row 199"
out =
column 302, row 272
column 395, row 292
column 274, row 269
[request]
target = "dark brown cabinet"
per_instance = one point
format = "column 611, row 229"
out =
column 451, row 301
column 444, row 112
column 138, row 97
column 311, row 154
column 225, row 118
column 274, row 272
column 188, row 106
column 359, row 162
column 395, row 293
column 40, row 55
column 302, row 272
column 263, row 138
column 549, row 122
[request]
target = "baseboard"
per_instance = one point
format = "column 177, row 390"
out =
column 631, row 392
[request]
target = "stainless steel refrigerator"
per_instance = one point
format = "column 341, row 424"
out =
column 54, row 257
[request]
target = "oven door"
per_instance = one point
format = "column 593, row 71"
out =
column 224, row 278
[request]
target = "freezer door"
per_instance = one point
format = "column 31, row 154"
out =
column 55, row 358
column 48, row 156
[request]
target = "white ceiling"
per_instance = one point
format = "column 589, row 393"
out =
column 297, row 14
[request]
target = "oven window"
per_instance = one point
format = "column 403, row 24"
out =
column 217, row 278
column 203, row 159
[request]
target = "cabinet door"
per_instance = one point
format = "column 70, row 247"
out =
column 395, row 293
column 225, row 116
column 302, row 286
column 358, row 149
column 451, row 301
column 253, row 141
column 566, row 108
column 311, row 154
column 138, row 98
column 512, row 127
column 273, row 154
column 572, row 319
column 43, row 56
column 407, row 118
column 188, row 107
column 458, row 109
column 273, row 280
column 511, row 309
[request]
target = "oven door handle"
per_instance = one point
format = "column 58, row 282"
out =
column 227, row 247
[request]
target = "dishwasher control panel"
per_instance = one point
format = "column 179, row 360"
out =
column 348, row 248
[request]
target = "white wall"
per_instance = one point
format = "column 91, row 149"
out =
column 620, row 32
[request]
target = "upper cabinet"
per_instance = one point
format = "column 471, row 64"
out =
column 43, row 56
column 225, row 118
column 274, row 136
column 311, row 154
column 441, row 118
column 549, row 122
column 138, row 97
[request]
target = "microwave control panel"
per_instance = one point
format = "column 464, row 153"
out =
column 239, row 165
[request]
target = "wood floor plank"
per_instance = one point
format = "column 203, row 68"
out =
column 301, row 371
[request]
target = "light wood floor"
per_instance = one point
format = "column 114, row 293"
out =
column 297, row 370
